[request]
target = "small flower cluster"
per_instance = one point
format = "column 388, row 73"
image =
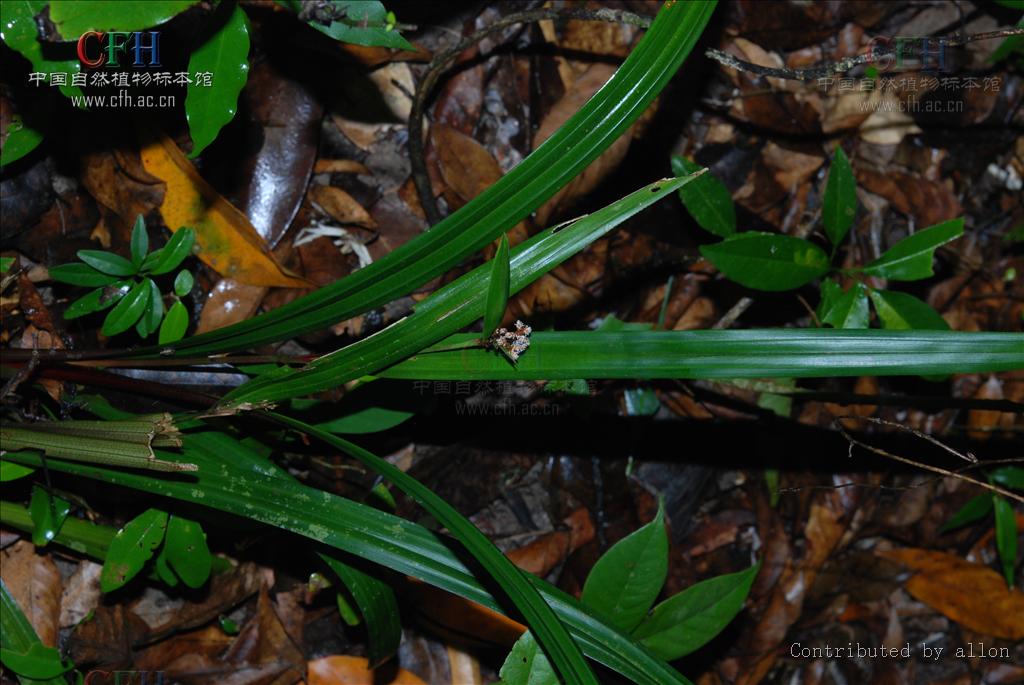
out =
column 512, row 343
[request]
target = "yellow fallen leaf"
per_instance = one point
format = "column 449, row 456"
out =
column 971, row 594
column 354, row 670
column 227, row 241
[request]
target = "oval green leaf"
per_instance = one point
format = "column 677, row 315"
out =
column 48, row 513
column 497, row 289
column 75, row 17
column 911, row 258
column 707, row 199
column 140, row 241
column 526, row 664
column 21, row 33
column 183, row 283
column 902, row 311
column 849, row 310
column 187, row 552
column 107, row 262
column 175, row 251
column 175, row 324
column 365, row 23
column 225, row 55
column 128, row 310
column 627, row 578
column 1010, row 476
column 97, row 300
column 132, row 547
column 839, row 204
column 767, row 261
column 77, row 273
column 39, row 662
column 1006, row 536
column 688, row 620
column 21, row 140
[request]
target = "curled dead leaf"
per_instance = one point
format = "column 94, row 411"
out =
column 341, row 206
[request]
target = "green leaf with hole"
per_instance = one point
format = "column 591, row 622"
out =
column 497, row 288
column 976, row 509
column 1006, row 536
column 225, row 55
column 627, row 578
column 174, row 252
column 1009, row 476
column 154, row 313
column 368, row 420
column 849, row 310
column 902, row 311
column 139, row 241
column 132, row 547
column 911, row 258
column 526, row 664
column 128, row 310
column 183, row 283
column 707, row 199
column 107, row 262
column 74, row 17
column 686, row 621
column 48, row 514
column 175, row 324
column 98, row 299
column 365, row 22
column 839, row 203
column 186, row 551
column 77, row 273
column 768, row 261
column 21, row 140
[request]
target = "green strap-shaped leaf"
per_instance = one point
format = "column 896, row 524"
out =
column 369, row 420
column 767, row 261
column 563, row 652
column 75, row 17
column 128, row 310
column 48, row 514
column 225, row 55
column 98, row 299
column 839, row 203
column 577, row 143
column 976, row 509
column 377, row 603
column 497, row 288
column 526, row 664
column 911, row 258
column 107, row 262
column 686, row 621
column 154, row 313
column 903, row 311
column 1006, row 536
column 139, row 242
column 186, row 551
column 770, row 353
column 707, row 199
column 626, row 580
column 77, row 273
column 174, row 252
column 849, row 310
column 132, row 547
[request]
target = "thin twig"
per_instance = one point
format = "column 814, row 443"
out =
column 926, row 467
column 443, row 61
column 735, row 312
column 924, row 436
column 844, row 65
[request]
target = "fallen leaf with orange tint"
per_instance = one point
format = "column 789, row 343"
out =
column 227, row 241
column 354, row 670
column 973, row 595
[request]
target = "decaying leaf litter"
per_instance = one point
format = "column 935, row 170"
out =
column 556, row 473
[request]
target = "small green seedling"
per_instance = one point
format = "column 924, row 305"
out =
column 128, row 286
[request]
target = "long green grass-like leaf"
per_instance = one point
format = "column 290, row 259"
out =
column 583, row 137
column 452, row 307
column 563, row 653
column 233, row 481
column 770, row 353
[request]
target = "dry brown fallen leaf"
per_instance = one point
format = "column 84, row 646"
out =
column 354, row 670
column 229, row 302
column 341, row 206
column 117, row 180
column 551, row 549
column 34, row 582
column 227, row 241
column 971, row 594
